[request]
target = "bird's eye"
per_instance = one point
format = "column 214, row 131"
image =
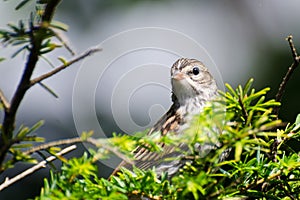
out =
column 196, row 70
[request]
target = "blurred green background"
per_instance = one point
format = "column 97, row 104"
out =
column 244, row 38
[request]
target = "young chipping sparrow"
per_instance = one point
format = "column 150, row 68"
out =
column 192, row 87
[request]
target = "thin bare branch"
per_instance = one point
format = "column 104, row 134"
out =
column 4, row 101
column 95, row 142
column 53, row 144
column 36, row 167
column 289, row 73
column 62, row 67
column 292, row 46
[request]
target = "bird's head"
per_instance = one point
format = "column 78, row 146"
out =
column 191, row 79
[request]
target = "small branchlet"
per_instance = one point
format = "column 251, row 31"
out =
column 288, row 74
column 37, row 40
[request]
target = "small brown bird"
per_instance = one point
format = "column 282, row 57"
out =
column 192, row 87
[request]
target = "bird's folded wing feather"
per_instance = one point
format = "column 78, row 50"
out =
column 144, row 158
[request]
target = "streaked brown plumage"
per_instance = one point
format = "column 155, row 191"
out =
column 192, row 87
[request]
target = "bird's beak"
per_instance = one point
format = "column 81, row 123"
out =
column 178, row 76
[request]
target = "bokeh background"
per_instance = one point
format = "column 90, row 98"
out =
column 244, row 38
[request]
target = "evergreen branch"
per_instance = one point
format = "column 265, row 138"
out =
column 36, row 167
column 244, row 111
column 269, row 178
column 37, row 36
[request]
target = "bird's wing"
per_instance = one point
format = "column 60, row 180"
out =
column 144, row 158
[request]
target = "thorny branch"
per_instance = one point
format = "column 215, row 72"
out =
column 289, row 73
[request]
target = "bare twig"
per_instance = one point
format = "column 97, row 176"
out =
column 52, row 144
column 288, row 74
column 36, row 167
column 292, row 46
column 58, row 69
column 4, row 101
